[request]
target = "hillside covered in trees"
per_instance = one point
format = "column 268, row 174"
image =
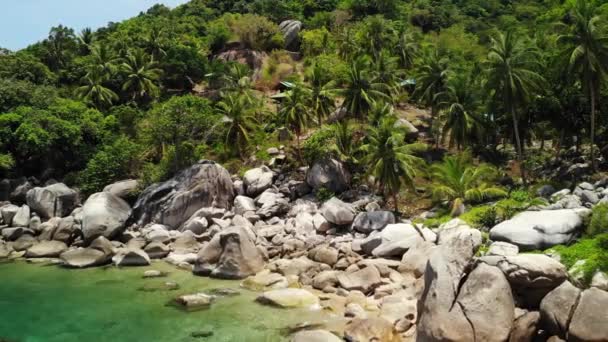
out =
column 148, row 96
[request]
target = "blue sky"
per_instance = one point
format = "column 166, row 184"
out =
column 23, row 22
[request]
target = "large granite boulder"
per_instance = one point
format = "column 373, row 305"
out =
column 376, row 220
column 289, row 298
column 534, row 230
column 56, row 200
column 330, row 174
column 371, row 329
column 205, row 184
column 84, row 257
column 104, row 214
column 22, row 217
column 231, row 254
column 338, row 212
column 364, row 280
column 291, row 30
column 257, row 180
column 271, row 203
column 46, row 249
column 8, row 212
column 531, row 276
column 315, row 336
column 124, row 189
column 439, row 319
column 131, row 257
column 590, row 319
column 395, row 240
column 557, row 308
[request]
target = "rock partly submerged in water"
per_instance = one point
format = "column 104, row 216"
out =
column 289, row 298
column 196, row 301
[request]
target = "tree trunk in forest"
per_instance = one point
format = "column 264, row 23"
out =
column 520, row 158
column 592, row 93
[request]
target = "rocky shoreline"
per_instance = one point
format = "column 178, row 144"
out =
column 390, row 278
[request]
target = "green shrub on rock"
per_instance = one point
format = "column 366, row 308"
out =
column 599, row 220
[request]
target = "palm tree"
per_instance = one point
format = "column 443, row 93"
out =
column 347, row 44
column 362, row 89
column 390, row 161
column 154, row 43
column 322, row 91
column 511, row 78
column 587, row 55
column 94, row 91
column 385, row 69
column 295, row 112
column 238, row 80
column 345, row 143
column 239, row 116
column 459, row 100
column 141, row 74
column 378, row 112
column 407, row 49
column 458, row 181
column 85, row 39
column 103, row 59
column 432, row 79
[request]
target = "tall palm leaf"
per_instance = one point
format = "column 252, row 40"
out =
column 141, row 74
column 295, row 112
column 322, row 91
column 458, row 101
column 362, row 89
column 432, row 79
column 587, row 55
column 407, row 49
column 239, row 116
column 512, row 79
column 94, row 91
column 390, row 161
column 457, row 180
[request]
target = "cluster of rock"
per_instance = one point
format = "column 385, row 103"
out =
column 390, row 279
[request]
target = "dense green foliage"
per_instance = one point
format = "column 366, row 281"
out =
column 150, row 95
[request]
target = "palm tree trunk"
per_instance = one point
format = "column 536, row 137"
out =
column 395, row 202
column 592, row 93
column 298, row 146
column 518, row 146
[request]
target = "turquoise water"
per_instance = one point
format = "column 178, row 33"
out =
column 52, row 304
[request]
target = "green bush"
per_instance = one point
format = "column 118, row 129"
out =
column 112, row 163
column 481, row 217
column 324, row 194
column 318, row 146
column 256, row 32
column 593, row 251
column 599, row 220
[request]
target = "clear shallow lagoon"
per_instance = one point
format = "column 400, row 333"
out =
column 52, row 304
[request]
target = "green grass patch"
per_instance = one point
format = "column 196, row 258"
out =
column 593, row 250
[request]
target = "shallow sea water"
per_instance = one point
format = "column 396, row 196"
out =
column 47, row 303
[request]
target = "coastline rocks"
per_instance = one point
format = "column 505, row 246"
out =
column 531, row 276
column 104, row 214
column 171, row 203
column 195, row 301
column 56, row 200
column 84, row 257
column 8, row 212
column 257, row 180
column 289, row 298
column 366, row 222
column 338, row 212
column 371, row 329
column 272, row 204
column 557, row 308
column 533, row 230
column 589, row 321
column 157, row 250
column 438, row 318
column 330, row 174
column 265, row 281
column 395, row 240
column 364, row 280
column 243, row 204
column 131, row 257
column 46, row 249
column 315, row 336
column 22, row 217
column 231, row 254
column 123, row 189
